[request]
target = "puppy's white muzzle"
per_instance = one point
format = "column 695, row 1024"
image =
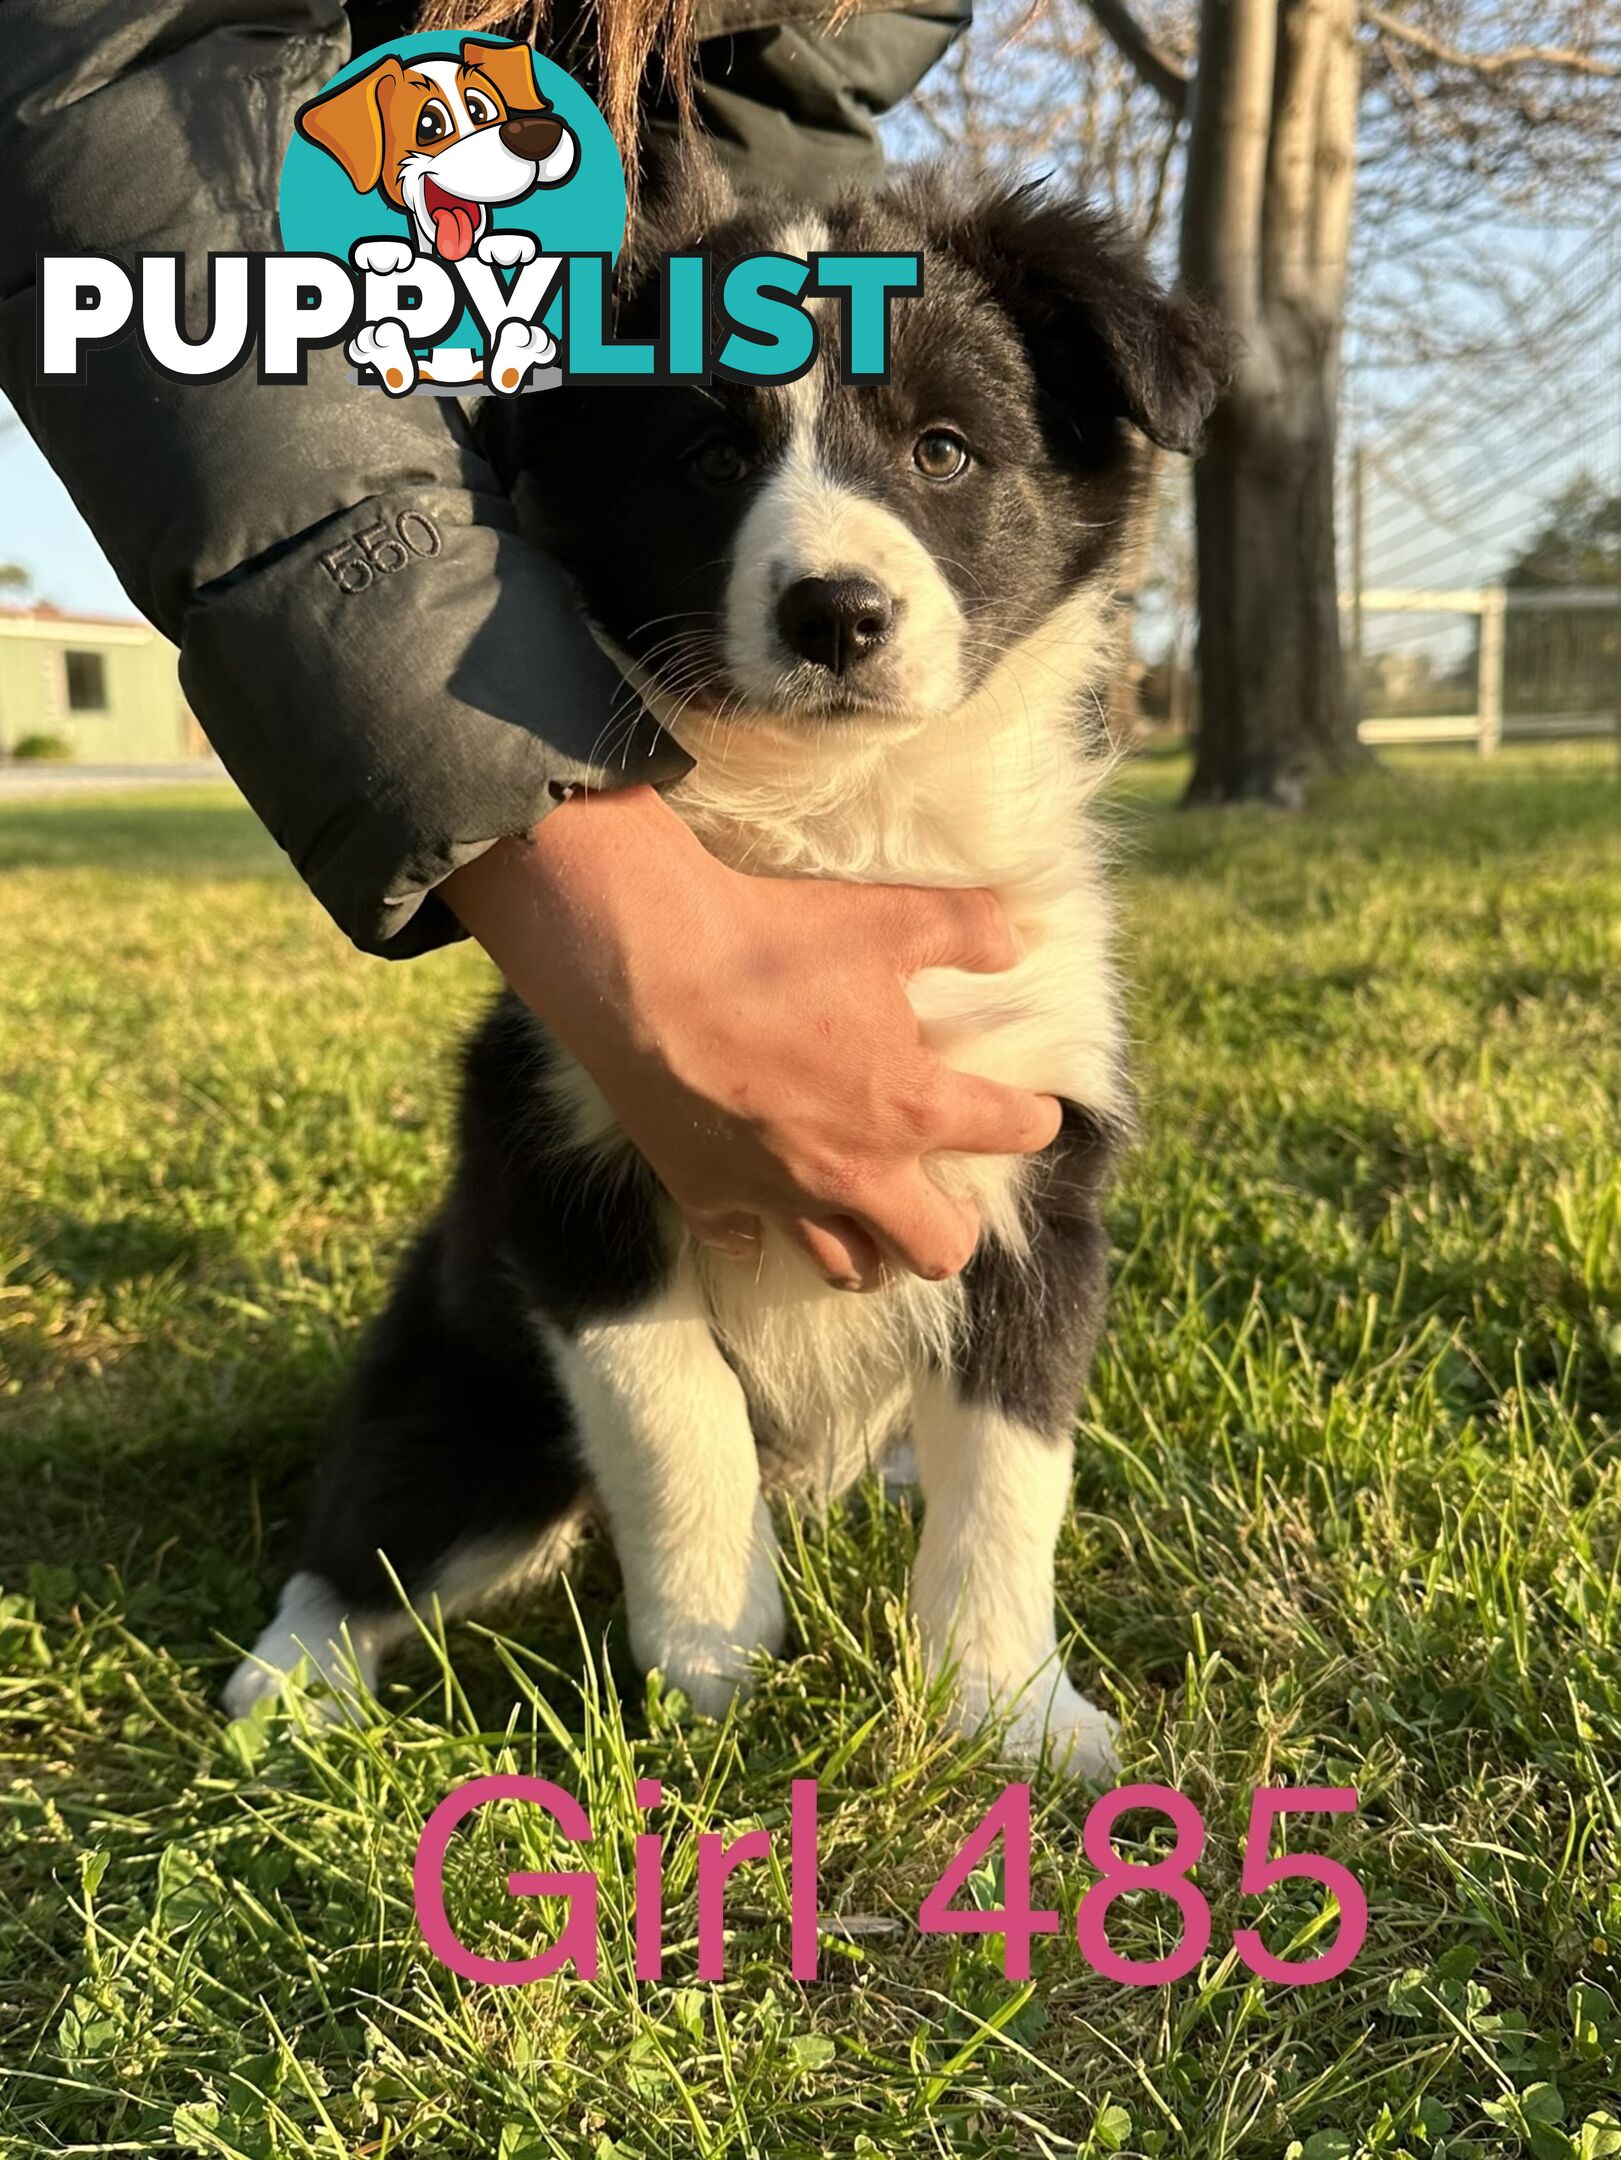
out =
column 835, row 605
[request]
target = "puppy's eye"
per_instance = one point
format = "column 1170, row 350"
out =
column 479, row 109
column 940, row 455
column 719, row 462
column 433, row 123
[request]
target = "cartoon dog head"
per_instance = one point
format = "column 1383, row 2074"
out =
column 443, row 139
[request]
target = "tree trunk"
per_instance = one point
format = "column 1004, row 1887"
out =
column 1265, row 234
column 1123, row 710
column 1273, row 708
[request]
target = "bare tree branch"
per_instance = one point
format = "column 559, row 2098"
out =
column 1225, row 190
column 1161, row 70
column 1489, row 66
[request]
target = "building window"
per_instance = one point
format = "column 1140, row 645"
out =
column 87, row 681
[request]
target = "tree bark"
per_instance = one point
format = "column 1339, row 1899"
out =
column 1123, row 710
column 1273, row 712
column 1265, row 233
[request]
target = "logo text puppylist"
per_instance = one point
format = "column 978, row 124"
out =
column 450, row 215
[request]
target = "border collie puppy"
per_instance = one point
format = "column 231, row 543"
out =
column 876, row 616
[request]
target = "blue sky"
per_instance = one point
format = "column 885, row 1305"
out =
column 40, row 528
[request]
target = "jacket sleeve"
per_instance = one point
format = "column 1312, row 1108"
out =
column 389, row 711
column 790, row 104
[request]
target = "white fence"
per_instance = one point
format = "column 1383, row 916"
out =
column 1554, row 699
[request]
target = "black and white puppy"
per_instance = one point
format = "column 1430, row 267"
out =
column 875, row 616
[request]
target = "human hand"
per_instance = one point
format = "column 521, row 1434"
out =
column 753, row 1034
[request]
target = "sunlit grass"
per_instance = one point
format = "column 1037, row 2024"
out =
column 1346, row 1512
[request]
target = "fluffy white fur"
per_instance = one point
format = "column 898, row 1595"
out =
column 312, row 1634
column 312, row 1631
column 666, row 1434
column 995, row 1495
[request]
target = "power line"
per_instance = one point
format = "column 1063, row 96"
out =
column 1453, row 468
column 1458, row 515
column 1427, row 510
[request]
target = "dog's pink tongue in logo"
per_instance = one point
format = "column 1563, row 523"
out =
column 455, row 223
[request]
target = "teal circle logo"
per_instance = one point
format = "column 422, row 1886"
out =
column 438, row 160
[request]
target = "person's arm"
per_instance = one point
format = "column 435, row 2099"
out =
column 386, row 727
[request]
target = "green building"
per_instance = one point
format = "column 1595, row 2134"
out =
column 109, row 689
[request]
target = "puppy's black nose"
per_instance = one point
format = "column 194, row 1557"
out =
column 835, row 621
column 532, row 135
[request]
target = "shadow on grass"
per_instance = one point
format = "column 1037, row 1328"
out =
column 168, row 1483
column 110, row 1252
column 212, row 836
column 1447, row 815
column 180, row 1476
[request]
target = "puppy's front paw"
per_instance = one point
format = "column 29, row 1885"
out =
column 710, row 1665
column 711, row 1687
column 1079, row 1736
column 1049, row 1715
column 708, row 1660
column 507, row 250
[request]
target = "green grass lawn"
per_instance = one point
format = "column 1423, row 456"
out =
column 1347, row 1512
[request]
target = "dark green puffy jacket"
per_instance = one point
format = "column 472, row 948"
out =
column 388, row 735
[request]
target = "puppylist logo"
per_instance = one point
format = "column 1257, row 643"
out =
column 435, row 171
column 450, row 214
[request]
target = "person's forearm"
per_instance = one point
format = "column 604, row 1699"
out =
column 538, row 903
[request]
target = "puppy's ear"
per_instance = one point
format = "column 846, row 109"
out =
column 512, row 70
column 347, row 123
column 686, row 194
column 1102, row 334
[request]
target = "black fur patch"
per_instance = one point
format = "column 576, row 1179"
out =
column 1030, row 1326
column 1105, row 340
column 1038, row 334
column 581, row 1240
column 455, row 1429
column 453, row 1432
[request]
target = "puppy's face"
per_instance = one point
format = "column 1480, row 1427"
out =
column 819, row 553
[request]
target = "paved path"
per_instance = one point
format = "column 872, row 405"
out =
column 34, row 782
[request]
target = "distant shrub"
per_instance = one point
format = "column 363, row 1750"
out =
column 41, row 749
